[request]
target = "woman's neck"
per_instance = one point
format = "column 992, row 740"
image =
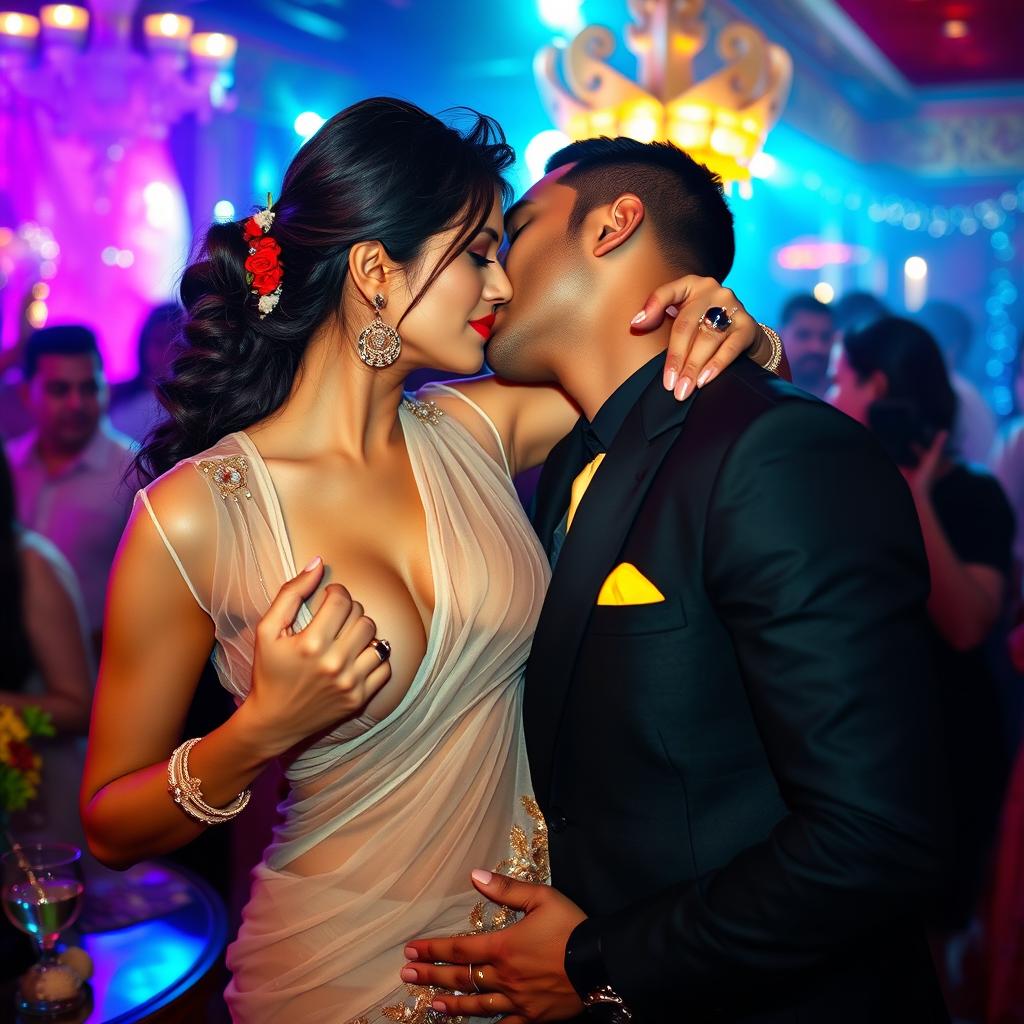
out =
column 337, row 404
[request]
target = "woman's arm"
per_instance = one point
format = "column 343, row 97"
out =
column 57, row 639
column 156, row 641
column 966, row 598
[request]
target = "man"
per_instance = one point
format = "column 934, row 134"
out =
column 69, row 470
column 728, row 708
column 974, row 433
column 808, row 335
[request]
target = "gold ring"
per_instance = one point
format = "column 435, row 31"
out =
column 381, row 648
column 477, row 976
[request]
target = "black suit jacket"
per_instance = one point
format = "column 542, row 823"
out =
column 742, row 783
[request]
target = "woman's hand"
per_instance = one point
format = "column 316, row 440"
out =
column 696, row 352
column 306, row 682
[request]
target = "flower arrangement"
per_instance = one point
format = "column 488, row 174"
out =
column 263, row 270
column 20, row 766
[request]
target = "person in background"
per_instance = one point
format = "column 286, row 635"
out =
column 134, row 407
column 974, row 431
column 891, row 377
column 1008, row 461
column 14, row 417
column 856, row 310
column 808, row 333
column 69, row 470
column 46, row 663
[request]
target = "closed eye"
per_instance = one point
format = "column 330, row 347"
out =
column 481, row 261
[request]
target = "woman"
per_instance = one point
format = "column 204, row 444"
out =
column 46, row 664
column 292, row 445
column 892, row 378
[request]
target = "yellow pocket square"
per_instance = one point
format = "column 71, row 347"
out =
column 626, row 584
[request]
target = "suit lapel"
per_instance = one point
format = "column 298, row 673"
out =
column 555, row 484
column 599, row 530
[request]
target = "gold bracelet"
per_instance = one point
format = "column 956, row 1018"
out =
column 187, row 791
column 775, row 359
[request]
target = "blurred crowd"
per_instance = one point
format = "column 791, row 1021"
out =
column 67, row 485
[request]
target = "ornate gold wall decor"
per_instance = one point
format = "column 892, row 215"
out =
column 721, row 121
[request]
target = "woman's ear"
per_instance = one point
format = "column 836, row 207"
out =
column 368, row 269
column 618, row 223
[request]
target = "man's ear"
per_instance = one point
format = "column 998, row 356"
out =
column 618, row 222
column 879, row 385
column 368, row 269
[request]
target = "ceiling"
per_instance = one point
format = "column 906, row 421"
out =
column 945, row 43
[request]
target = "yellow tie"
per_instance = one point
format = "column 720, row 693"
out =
column 580, row 485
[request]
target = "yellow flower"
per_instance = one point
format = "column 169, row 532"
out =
column 11, row 724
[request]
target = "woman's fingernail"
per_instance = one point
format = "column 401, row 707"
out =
column 673, row 311
column 683, row 388
column 639, row 318
column 671, row 375
column 481, row 876
column 438, row 1005
column 708, row 374
column 408, row 974
column 411, row 954
column 312, row 565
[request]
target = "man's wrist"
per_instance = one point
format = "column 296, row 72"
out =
column 584, row 961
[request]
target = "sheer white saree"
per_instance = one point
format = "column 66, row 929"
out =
column 388, row 817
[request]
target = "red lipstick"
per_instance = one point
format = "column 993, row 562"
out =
column 483, row 326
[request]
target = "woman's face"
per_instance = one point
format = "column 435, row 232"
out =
column 848, row 392
column 452, row 323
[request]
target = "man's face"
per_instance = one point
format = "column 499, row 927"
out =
column 67, row 395
column 808, row 338
column 546, row 269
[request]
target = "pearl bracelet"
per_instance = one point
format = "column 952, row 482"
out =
column 188, row 794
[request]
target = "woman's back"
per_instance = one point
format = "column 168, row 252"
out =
column 389, row 812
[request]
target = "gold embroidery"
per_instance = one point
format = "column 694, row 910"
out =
column 530, row 862
column 426, row 411
column 230, row 474
column 420, row 1012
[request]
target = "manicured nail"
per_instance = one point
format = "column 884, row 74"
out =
column 312, row 565
column 671, row 376
column 481, row 876
column 411, row 954
column 639, row 318
column 708, row 374
column 673, row 311
column 683, row 388
column 408, row 974
column 438, row 1005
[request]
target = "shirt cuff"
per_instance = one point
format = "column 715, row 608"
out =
column 584, row 961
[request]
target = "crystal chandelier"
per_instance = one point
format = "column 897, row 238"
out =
column 82, row 71
column 722, row 121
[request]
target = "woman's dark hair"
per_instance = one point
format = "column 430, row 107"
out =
column 18, row 660
column 382, row 170
column 919, row 400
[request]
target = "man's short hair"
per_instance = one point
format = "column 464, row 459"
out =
column 68, row 340
column 803, row 303
column 692, row 221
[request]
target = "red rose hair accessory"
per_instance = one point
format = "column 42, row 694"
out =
column 263, row 270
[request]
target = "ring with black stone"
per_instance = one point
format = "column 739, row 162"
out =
column 717, row 319
column 381, row 648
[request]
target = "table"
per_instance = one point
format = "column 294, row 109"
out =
column 159, row 966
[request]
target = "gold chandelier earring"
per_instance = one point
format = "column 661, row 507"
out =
column 379, row 343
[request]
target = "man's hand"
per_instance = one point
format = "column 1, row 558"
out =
column 518, row 971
